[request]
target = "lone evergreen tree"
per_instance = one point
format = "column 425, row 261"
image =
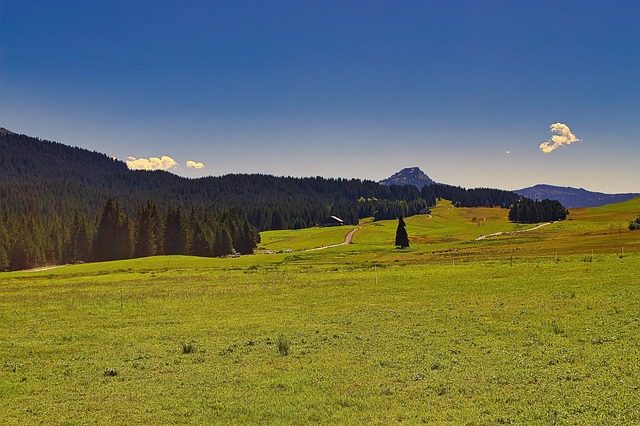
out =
column 402, row 238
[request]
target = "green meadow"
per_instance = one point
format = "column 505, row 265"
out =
column 523, row 327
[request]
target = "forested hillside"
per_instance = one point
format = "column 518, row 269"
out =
column 54, row 198
column 476, row 197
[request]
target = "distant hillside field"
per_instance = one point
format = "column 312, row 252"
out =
column 451, row 233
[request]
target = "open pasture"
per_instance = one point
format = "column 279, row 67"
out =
column 355, row 334
column 450, row 234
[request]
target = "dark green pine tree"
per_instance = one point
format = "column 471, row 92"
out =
column 276, row 221
column 24, row 252
column 402, row 238
column 69, row 246
column 83, row 238
column 248, row 239
column 4, row 258
column 201, row 245
column 113, row 236
column 222, row 244
column 175, row 233
column 4, row 247
column 146, row 230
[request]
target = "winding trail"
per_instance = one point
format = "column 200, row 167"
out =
column 44, row 268
column 347, row 240
column 495, row 234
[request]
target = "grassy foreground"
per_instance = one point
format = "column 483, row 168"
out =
column 534, row 327
column 187, row 340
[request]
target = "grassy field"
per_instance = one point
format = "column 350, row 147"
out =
column 451, row 331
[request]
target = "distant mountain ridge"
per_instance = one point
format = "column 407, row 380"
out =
column 573, row 197
column 567, row 196
column 409, row 176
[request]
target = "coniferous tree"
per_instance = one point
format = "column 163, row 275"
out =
column 248, row 239
column 5, row 265
column 201, row 245
column 402, row 238
column 24, row 251
column 146, row 231
column 530, row 211
column 222, row 244
column 276, row 221
column 105, row 234
column 113, row 236
column 4, row 247
column 175, row 232
column 82, row 240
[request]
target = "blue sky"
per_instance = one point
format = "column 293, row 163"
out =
column 465, row 90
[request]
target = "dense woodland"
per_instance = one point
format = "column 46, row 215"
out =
column 55, row 199
column 476, row 197
column 529, row 211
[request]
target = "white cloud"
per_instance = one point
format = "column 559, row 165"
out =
column 563, row 136
column 153, row 163
column 195, row 165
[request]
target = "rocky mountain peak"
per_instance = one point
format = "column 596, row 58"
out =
column 409, row 176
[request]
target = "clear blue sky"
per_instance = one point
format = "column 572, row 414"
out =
column 465, row 90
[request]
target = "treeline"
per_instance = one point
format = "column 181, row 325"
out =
column 526, row 210
column 391, row 209
column 48, row 179
column 53, row 199
column 27, row 241
column 462, row 197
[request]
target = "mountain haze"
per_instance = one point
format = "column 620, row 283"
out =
column 567, row 196
column 573, row 197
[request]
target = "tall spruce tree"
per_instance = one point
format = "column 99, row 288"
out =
column 175, row 232
column 222, row 244
column 24, row 251
column 4, row 247
column 201, row 240
column 113, row 236
column 4, row 258
column 402, row 238
column 146, row 231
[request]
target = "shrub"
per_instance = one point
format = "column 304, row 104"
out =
column 284, row 345
column 188, row 348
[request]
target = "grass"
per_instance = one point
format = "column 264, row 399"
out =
column 449, row 331
column 303, row 239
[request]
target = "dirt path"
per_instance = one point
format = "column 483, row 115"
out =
column 495, row 234
column 347, row 240
column 44, row 268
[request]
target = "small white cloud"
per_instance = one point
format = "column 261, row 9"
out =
column 153, row 163
column 195, row 165
column 563, row 136
column 508, row 152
